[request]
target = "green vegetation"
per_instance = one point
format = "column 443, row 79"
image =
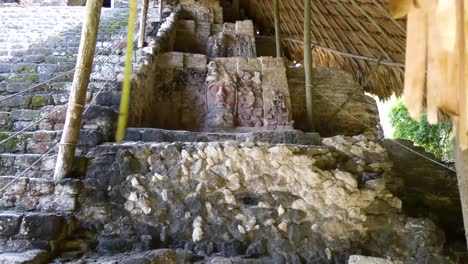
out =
column 13, row 144
column 436, row 139
column 35, row 102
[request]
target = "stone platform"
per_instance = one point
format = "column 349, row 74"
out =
column 296, row 137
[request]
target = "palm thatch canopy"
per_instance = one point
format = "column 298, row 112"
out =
column 358, row 36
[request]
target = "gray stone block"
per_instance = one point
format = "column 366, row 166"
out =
column 47, row 68
column 5, row 68
column 9, row 223
column 24, row 115
column 16, row 87
column 44, row 226
column 28, row 126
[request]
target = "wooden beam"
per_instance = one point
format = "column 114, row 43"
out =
column 277, row 29
column 308, row 63
column 77, row 100
column 143, row 17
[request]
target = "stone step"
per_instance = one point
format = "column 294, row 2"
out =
column 32, row 237
column 40, row 141
column 39, row 195
column 34, row 225
column 275, row 137
column 15, row 164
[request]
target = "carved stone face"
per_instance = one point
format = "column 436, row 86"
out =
column 221, row 95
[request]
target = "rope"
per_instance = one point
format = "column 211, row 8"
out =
column 375, row 130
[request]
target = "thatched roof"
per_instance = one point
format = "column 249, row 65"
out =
column 352, row 35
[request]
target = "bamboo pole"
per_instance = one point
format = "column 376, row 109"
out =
column 125, row 99
column 277, row 30
column 77, row 99
column 308, row 63
column 143, row 17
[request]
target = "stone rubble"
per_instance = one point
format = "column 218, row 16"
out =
column 255, row 199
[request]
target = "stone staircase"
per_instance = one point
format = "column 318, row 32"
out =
column 34, row 48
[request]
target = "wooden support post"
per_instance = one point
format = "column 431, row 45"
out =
column 461, row 161
column 277, row 30
column 143, row 17
column 235, row 9
column 77, row 99
column 160, row 10
column 308, row 63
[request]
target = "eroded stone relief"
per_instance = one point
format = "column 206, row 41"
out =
column 237, row 100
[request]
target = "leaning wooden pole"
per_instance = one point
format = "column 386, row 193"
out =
column 308, row 63
column 77, row 99
column 277, row 30
column 143, row 18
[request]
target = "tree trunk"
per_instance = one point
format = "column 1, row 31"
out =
column 277, row 30
column 308, row 63
column 143, row 17
column 77, row 97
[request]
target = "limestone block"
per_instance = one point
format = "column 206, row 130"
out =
column 43, row 226
column 355, row 259
column 57, row 203
column 186, row 26
column 24, row 115
column 39, row 186
column 245, row 27
column 18, row 186
column 196, row 61
column 9, row 224
column 229, row 28
column 171, row 60
column 29, row 256
column 68, row 187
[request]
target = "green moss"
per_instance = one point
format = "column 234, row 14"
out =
column 12, row 144
column 22, row 69
column 38, row 101
column 34, row 102
column 57, row 59
column 22, row 78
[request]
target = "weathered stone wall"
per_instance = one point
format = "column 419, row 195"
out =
column 283, row 202
column 420, row 187
column 333, row 88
